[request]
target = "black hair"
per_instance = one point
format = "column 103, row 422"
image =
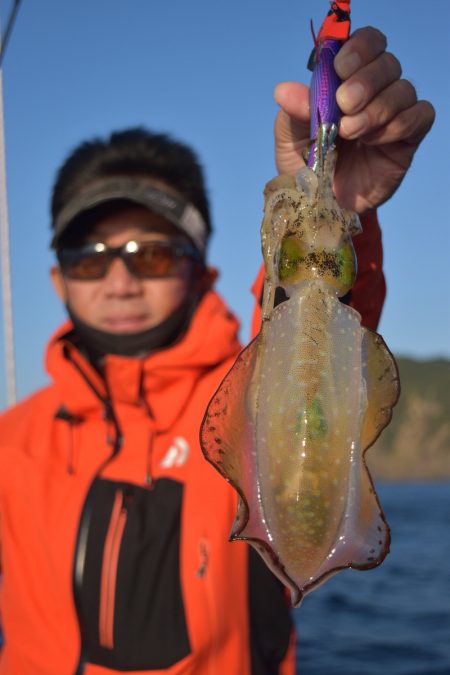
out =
column 132, row 152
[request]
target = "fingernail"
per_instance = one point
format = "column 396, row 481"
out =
column 350, row 96
column 355, row 125
column 347, row 64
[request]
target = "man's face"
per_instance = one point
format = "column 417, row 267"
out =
column 121, row 302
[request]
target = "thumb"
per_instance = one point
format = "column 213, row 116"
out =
column 293, row 97
column 291, row 126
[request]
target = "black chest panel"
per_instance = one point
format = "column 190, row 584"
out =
column 130, row 600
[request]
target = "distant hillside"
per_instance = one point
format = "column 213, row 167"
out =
column 417, row 442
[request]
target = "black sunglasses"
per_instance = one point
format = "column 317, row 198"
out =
column 145, row 260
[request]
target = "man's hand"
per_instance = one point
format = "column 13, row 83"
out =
column 382, row 125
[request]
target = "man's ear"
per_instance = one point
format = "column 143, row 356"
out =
column 58, row 282
column 205, row 278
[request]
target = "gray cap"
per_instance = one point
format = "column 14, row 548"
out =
column 140, row 191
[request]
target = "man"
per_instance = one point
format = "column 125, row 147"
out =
column 113, row 528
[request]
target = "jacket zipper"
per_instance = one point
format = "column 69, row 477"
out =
column 110, row 562
column 86, row 513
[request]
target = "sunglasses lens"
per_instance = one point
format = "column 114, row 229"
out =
column 153, row 260
column 83, row 265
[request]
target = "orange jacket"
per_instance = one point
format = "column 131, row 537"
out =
column 54, row 444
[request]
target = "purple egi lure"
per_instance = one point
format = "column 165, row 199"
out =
column 325, row 112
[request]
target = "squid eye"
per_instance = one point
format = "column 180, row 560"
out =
column 347, row 265
column 292, row 255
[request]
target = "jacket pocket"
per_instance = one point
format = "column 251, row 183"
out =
column 130, row 601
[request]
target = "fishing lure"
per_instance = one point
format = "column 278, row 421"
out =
column 290, row 423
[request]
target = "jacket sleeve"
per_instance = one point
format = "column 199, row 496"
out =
column 369, row 290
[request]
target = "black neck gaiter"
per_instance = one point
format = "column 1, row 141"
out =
column 97, row 343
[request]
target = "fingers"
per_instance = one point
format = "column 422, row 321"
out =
column 367, row 70
column 362, row 87
column 378, row 107
column 364, row 45
column 409, row 126
column 396, row 97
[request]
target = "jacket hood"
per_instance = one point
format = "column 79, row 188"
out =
column 162, row 381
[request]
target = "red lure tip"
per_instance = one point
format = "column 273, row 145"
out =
column 337, row 23
column 335, row 27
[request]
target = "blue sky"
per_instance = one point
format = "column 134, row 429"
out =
column 205, row 72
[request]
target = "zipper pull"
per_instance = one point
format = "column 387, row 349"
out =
column 72, row 420
column 148, row 468
column 203, row 557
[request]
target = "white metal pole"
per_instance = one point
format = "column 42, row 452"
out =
column 10, row 369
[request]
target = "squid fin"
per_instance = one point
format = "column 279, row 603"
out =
column 383, row 386
column 370, row 531
column 227, row 433
column 364, row 536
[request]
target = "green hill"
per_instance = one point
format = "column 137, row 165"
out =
column 416, row 445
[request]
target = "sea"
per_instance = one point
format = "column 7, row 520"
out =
column 394, row 619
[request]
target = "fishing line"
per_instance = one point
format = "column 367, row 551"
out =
column 8, row 30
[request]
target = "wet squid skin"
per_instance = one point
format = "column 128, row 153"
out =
column 289, row 425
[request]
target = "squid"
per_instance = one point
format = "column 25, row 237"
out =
column 289, row 425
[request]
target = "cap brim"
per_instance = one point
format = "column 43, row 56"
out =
column 140, row 191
